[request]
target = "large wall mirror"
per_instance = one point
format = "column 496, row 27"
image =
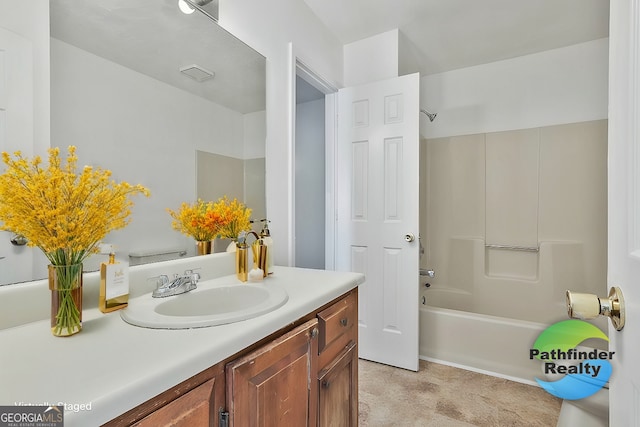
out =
column 161, row 98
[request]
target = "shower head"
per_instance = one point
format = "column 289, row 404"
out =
column 432, row 116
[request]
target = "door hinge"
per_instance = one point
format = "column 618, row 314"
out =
column 223, row 418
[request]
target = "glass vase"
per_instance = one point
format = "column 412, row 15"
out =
column 65, row 283
column 203, row 247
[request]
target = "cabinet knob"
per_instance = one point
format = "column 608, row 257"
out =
column 326, row 383
column 314, row 333
column 344, row 321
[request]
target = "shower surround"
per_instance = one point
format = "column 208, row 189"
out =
column 509, row 221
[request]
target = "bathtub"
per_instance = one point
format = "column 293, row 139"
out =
column 482, row 343
column 498, row 302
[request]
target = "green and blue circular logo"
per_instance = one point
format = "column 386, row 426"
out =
column 586, row 371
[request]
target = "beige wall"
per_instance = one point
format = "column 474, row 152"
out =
column 244, row 180
column 210, row 168
column 541, row 188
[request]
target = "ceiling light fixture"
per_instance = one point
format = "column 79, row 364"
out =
column 185, row 7
column 188, row 6
column 210, row 11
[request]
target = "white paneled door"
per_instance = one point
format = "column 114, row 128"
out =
column 624, row 206
column 377, row 207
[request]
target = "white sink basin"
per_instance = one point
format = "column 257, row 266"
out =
column 208, row 305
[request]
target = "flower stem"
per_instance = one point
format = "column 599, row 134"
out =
column 65, row 282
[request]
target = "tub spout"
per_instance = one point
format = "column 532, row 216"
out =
column 427, row 272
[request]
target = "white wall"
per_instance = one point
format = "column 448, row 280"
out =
column 380, row 57
column 269, row 27
column 30, row 19
column 371, row 59
column 309, row 188
column 559, row 86
column 144, row 131
column 408, row 56
column 255, row 132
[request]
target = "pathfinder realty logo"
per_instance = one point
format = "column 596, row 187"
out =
column 586, row 371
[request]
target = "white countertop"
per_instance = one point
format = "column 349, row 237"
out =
column 112, row 367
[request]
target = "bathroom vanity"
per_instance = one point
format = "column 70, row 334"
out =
column 296, row 364
column 304, row 374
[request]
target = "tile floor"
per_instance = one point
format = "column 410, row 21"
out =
column 442, row 396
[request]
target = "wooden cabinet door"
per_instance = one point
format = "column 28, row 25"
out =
column 196, row 408
column 338, row 390
column 272, row 385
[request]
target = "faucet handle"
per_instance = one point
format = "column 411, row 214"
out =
column 194, row 276
column 161, row 280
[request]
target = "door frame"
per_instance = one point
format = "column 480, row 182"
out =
column 298, row 66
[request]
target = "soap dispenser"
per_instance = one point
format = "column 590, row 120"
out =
column 114, row 285
column 265, row 235
column 242, row 257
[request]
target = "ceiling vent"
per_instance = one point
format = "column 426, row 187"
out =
column 197, row 73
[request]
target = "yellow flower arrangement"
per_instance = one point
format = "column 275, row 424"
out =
column 237, row 217
column 65, row 214
column 205, row 221
column 199, row 220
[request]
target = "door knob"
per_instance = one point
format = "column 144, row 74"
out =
column 590, row 306
column 409, row 237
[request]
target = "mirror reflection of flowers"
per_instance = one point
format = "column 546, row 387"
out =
column 237, row 217
column 199, row 220
column 62, row 212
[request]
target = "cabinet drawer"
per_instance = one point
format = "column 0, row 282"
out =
column 336, row 321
